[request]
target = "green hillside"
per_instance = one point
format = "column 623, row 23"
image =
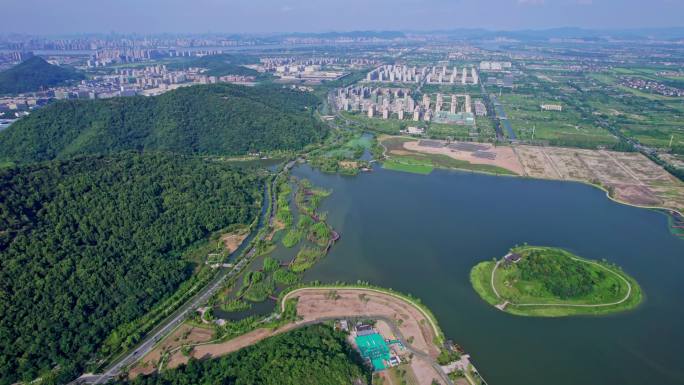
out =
column 93, row 243
column 34, row 74
column 219, row 119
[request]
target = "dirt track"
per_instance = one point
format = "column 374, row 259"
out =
column 185, row 334
column 316, row 304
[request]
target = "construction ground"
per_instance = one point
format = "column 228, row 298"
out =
column 629, row 177
column 407, row 330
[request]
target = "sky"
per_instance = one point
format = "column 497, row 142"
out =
column 54, row 17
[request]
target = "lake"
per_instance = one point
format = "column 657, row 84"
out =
column 422, row 235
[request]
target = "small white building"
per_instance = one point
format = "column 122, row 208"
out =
column 412, row 130
column 551, row 107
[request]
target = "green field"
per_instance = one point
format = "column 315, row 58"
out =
column 551, row 282
column 566, row 128
column 406, row 164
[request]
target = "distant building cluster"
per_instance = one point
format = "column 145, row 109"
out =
column 16, row 56
column 671, row 74
column 398, row 103
column 551, row 107
column 105, row 57
column 495, row 65
column 506, row 81
column 432, row 75
column 148, row 81
column 310, row 70
column 650, row 86
column 273, row 64
column 16, row 107
column 160, row 76
column 8, row 59
column 311, row 73
column 99, row 42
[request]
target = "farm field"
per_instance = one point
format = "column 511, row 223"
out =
column 565, row 127
column 593, row 105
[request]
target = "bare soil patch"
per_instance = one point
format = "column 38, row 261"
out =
column 504, row 156
column 232, row 241
column 317, row 304
column 230, row 346
column 349, row 164
column 184, row 335
column 630, row 178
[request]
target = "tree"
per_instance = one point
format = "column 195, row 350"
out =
column 218, row 119
column 91, row 244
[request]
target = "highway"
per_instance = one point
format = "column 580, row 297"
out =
column 177, row 318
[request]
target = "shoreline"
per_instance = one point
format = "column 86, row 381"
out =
column 668, row 210
column 498, row 301
column 315, row 305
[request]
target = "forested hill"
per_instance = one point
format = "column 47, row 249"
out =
column 34, row 74
column 219, row 119
column 315, row 355
column 94, row 242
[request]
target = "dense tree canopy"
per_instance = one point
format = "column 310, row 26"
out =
column 94, row 242
column 315, row 355
column 34, row 74
column 560, row 275
column 219, row 119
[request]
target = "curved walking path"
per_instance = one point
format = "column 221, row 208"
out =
column 435, row 328
column 316, row 305
column 506, row 302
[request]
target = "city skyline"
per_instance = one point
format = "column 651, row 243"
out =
column 270, row 16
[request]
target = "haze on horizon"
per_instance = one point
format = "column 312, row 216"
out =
column 52, row 17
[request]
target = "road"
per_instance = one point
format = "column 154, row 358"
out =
column 177, row 318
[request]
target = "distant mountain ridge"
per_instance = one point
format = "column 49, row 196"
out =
column 33, row 74
column 219, row 119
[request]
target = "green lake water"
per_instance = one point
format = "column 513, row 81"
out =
column 422, row 235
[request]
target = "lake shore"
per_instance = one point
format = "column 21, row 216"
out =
column 627, row 178
column 502, row 284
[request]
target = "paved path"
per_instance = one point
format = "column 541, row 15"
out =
column 503, row 305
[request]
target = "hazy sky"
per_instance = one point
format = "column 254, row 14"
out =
column 145, row 16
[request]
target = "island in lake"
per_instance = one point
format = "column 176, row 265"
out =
column 551, row 282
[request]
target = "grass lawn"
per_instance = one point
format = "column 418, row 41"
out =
column 406, row 164
column 444, row 161
column 548, row 276
column 402, row 374
column 566, row 127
